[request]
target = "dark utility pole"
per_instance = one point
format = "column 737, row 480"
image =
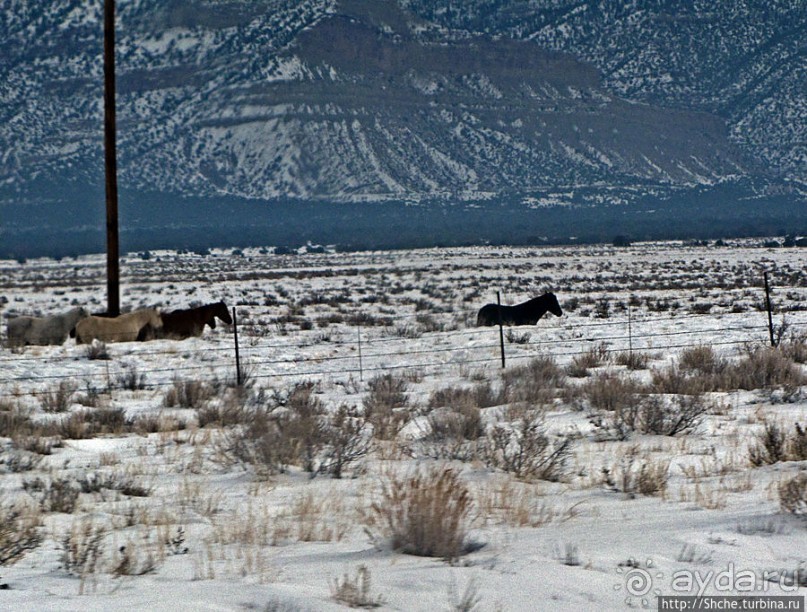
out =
column 112, row 263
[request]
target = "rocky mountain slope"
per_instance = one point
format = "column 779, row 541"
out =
column 276, row 105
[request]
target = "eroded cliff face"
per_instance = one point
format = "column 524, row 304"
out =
column 532, row 103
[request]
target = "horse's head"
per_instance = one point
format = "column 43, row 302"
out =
column 221, row 311
column 554, row 307
column 154, row 319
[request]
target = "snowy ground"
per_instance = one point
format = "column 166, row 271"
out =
column 210, row 533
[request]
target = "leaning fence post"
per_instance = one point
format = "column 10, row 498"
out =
column 237, row 357
column 501, row 331
column 768, row 306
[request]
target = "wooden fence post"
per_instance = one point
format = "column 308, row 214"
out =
column 361, row 368
column 237, row 357
column 501, row 331
column 768, row 306
column 630, row 335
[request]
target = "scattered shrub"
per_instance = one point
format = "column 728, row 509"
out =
column 534, row 383
column 354, row 592
column 582, row 363
column 131, row 379
column 187, row 394
column 55, row 495
column 426, row 514
column 58, row 399
column 82, row 548
column 649, row 478
column 19, row 531
column 609, row 391
column 526, row 451
column 346, row 441
column 633, row 360
column 793, row 495
column 766, row 368
column 385, row 405
column 773, row 444
column 84, row 424
column 97, row 350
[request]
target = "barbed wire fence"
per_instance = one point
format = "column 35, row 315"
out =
column 241, row 351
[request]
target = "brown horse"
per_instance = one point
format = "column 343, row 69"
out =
column 124, row 328
column 184, row 323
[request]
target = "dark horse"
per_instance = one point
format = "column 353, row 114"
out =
column 184, row 323
column 526, row 313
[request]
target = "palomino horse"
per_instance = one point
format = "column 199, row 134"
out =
column 181, row 324
column 44, row 330
column 526, row 313
column 124, row 328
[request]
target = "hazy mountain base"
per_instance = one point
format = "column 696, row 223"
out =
column 149, row 221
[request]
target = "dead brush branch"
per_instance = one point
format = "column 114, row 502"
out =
column 426, row 514
column 670, row 417
column 347, row 440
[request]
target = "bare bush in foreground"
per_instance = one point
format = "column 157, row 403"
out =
column 793, row 495
column 526, row 451
column 19, row 532
column 426, row 514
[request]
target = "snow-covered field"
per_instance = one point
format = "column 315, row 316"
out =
column 173, row 499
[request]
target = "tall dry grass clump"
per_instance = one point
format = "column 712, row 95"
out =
column 427, row 514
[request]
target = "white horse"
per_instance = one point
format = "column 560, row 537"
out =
column 44, row 330
column 123, row 328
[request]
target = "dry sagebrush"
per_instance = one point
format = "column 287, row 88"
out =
column 426, row 514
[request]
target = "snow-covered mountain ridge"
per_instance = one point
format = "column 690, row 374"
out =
column 529, row 104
